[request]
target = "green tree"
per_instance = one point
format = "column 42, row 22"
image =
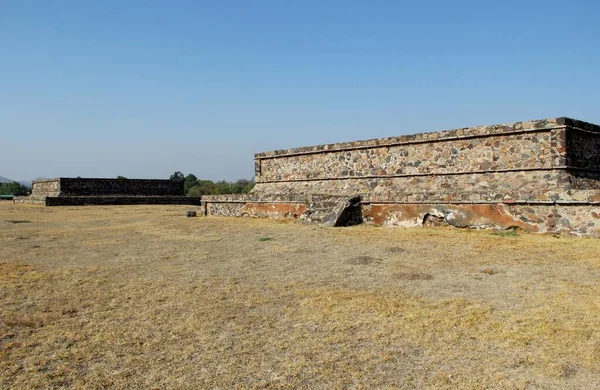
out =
column 177, row 176
column 13, row 188
column 202, row 187
column 223, row 187
column 121, row 177
column 248, row 187
column 190, row 181
column 194, row 192
column 242, row 186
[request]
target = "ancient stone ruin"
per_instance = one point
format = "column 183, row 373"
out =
column 86, row 191
column 540, row 176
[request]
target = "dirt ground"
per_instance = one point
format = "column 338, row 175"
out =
column 143, row 297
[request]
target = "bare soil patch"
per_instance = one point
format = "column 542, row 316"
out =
column 143, row 297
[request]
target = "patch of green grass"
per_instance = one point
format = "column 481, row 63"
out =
column 510, row 232
column 261, row 239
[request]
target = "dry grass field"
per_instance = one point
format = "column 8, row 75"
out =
column 142, row 297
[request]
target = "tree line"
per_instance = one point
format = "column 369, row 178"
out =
column 191, row 184
column 13, row 188
column 196, row 187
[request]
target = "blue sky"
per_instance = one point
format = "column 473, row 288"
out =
column 144, row 88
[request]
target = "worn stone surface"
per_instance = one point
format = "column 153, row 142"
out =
column 478, row 131
column 583, row 158
column 28, row 200
column 112, row 187
column 250, row 209
column 583, row 149
column 333, row 210
column 492, row 153
column 119, row 200
column 562, row 218
column 490, row 186
column 273, row 210
column 40, row 190
column 224, row 209
column 493, row 175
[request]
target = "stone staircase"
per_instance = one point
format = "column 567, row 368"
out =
column 333, row 210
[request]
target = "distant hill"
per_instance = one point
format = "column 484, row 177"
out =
column 26, row 183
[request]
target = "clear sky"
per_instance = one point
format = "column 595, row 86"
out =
column 145, row 88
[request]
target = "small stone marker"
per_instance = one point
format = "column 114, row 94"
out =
column 190, row 214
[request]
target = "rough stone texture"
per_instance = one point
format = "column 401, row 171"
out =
column 40, row 190
column 86, row 191
column 492, row 153
column 119, row 200
column 333, row 211
column 28, row 200
column 562, row 218
column 583, row 158
column 491, row 186
column 479, row 131
column 123, row 187
column 223, row 209
column 46, row 187
column 523, row 174
column 583, row 149
column 254, row 209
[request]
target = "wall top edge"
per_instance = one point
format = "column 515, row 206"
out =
column 45, row 180
column 91, row 179
column 591, row 196
column 478, row 131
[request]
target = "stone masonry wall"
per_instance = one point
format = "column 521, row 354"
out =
column 490, row 153
column 129, row 187
column 524, row 160
column 492, row 186
column 87, row 191
column 584, row 149
column 541, row 176
column 120, row 200
column 43, row 188
column 489, row 163
column 576, row 219
column 40, row 190
column 583, row 157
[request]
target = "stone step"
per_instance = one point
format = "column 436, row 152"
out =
column 333, row 211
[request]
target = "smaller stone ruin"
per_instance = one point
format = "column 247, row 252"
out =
column 88, row 191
